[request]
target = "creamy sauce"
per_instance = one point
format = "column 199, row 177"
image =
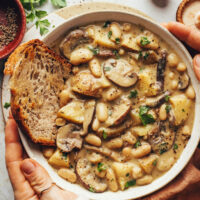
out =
column 166, row 138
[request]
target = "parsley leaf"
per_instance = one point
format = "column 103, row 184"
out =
column 127, row 174
column 137, row 144
column 167, row 98
column 144, row 41
column 40, row 13
column 139, row 55
column 91, row 189
column 133, row 93
column 107, row 68
column 95, row 51
column 64, row 155
column 117, row 40
column 163, row 148
column 144, row 116
column 130, row 183
column 146, row 55
column 59, row 3
column 104, row 134
column 109, row 34
column 43, row 25
column 106, row 24
column 6, row 105
column 168, row 108
column 30, row 17
column 154, row 162
column 175, row 146
column 116, row 54
column 101, row 167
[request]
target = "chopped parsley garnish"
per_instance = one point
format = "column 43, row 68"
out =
column 95, row 51
column 91, row 189
column 144, row 41
column 127, row 174
column 175, row 146
column 154, row 163
column 144, row 116
column 64, row 155
column 71, row 166
column 137, row 144
column 133, row 93
column 130, row 183
column 104, row 134
column 109, row 34
column 183, row 110
column 101, row 167
column 107, row 68
column 117, row 40
column 106, row 24
column 140, row 55
column 163, row 148
column 6, row 105
column 146, row 55
column 168, row 108
column 167, row 98
column 116, row 54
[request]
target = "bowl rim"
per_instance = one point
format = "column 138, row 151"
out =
column 193, row 141
column 21, row 31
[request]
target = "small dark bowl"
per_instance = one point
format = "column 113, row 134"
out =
column 21, row 21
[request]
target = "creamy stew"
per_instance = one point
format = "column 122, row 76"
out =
column 127, row 110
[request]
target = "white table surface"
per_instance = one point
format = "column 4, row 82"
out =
column 159, row 10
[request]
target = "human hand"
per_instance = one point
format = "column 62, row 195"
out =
column 30, row 181
column 189, row 36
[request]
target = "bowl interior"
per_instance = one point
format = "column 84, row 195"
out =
column 21, row 21
column 135, row 192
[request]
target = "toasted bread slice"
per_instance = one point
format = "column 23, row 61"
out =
column 37, row 77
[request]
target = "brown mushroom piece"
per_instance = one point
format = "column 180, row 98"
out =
column 87, row 176
column 115, row 130
column 118, row 112
column 88, row 114
column 183, row 81
column 86, row 84
column 105, row 53
column 72, row 40
column 120, row 72
column 162, row 138
column 68, row 138
column 156, row 101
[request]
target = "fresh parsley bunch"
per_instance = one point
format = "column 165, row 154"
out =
column 34, row 14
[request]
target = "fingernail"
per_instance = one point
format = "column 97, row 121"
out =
column 197, row 60
column 27, row 167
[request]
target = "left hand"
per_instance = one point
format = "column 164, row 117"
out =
column 189, row 36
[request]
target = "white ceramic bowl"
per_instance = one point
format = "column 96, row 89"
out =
column 134, row 192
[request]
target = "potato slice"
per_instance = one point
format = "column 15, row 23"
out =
column 73, row 111
column 143, row 130
column 123, row 173
column 180, row 107
column 59, row 159
column 129, row 42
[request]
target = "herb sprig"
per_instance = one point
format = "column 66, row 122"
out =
column 144, row 116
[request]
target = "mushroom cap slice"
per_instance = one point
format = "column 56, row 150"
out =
column 87, row 176
column 88, row 114
column 120, row 72
column 86, row 84
column 183, row 81
column 119, row 112
column 72, row 40
column 68, row 138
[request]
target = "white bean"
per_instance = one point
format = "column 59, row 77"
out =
column 95, row 67
column 171, row 75
column 172, row 60
column 116, row 31
column 190, row 93
column 186, row 130
column 121, row 51
column 163, row 112
column 47, row 151
column 129, row 138
column 102, row 112
column 95, row 124
column 67, row 174
column 114, row 143
column 60, row 121
column 144, row 180
column 137, row 172
column 93, row 140
column 112, row 93
column 165, row 163
column 95, row 158
column 64, row 97
column 126, row 151
column 111, row 180
column 100, row 174
column 181, row 67
column 174, row 84
column 142, row 150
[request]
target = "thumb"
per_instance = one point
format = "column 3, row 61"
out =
column 196, row 65
column 36, row 175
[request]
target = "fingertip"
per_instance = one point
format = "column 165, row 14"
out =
column 27, row 166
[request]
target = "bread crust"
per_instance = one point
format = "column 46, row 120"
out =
column 11, row 66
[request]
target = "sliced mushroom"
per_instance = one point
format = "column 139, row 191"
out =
column 88, row 114
column 86, row 84
column 161, row 69
column 87, row 176
column 68, row 138
column 105, row 53
column 119, row 112
column 114, row 131
column 120, row 72
column 156, row 101
column 183, row 81
column 162, row 138
column 72, row 40
column 106, row 152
